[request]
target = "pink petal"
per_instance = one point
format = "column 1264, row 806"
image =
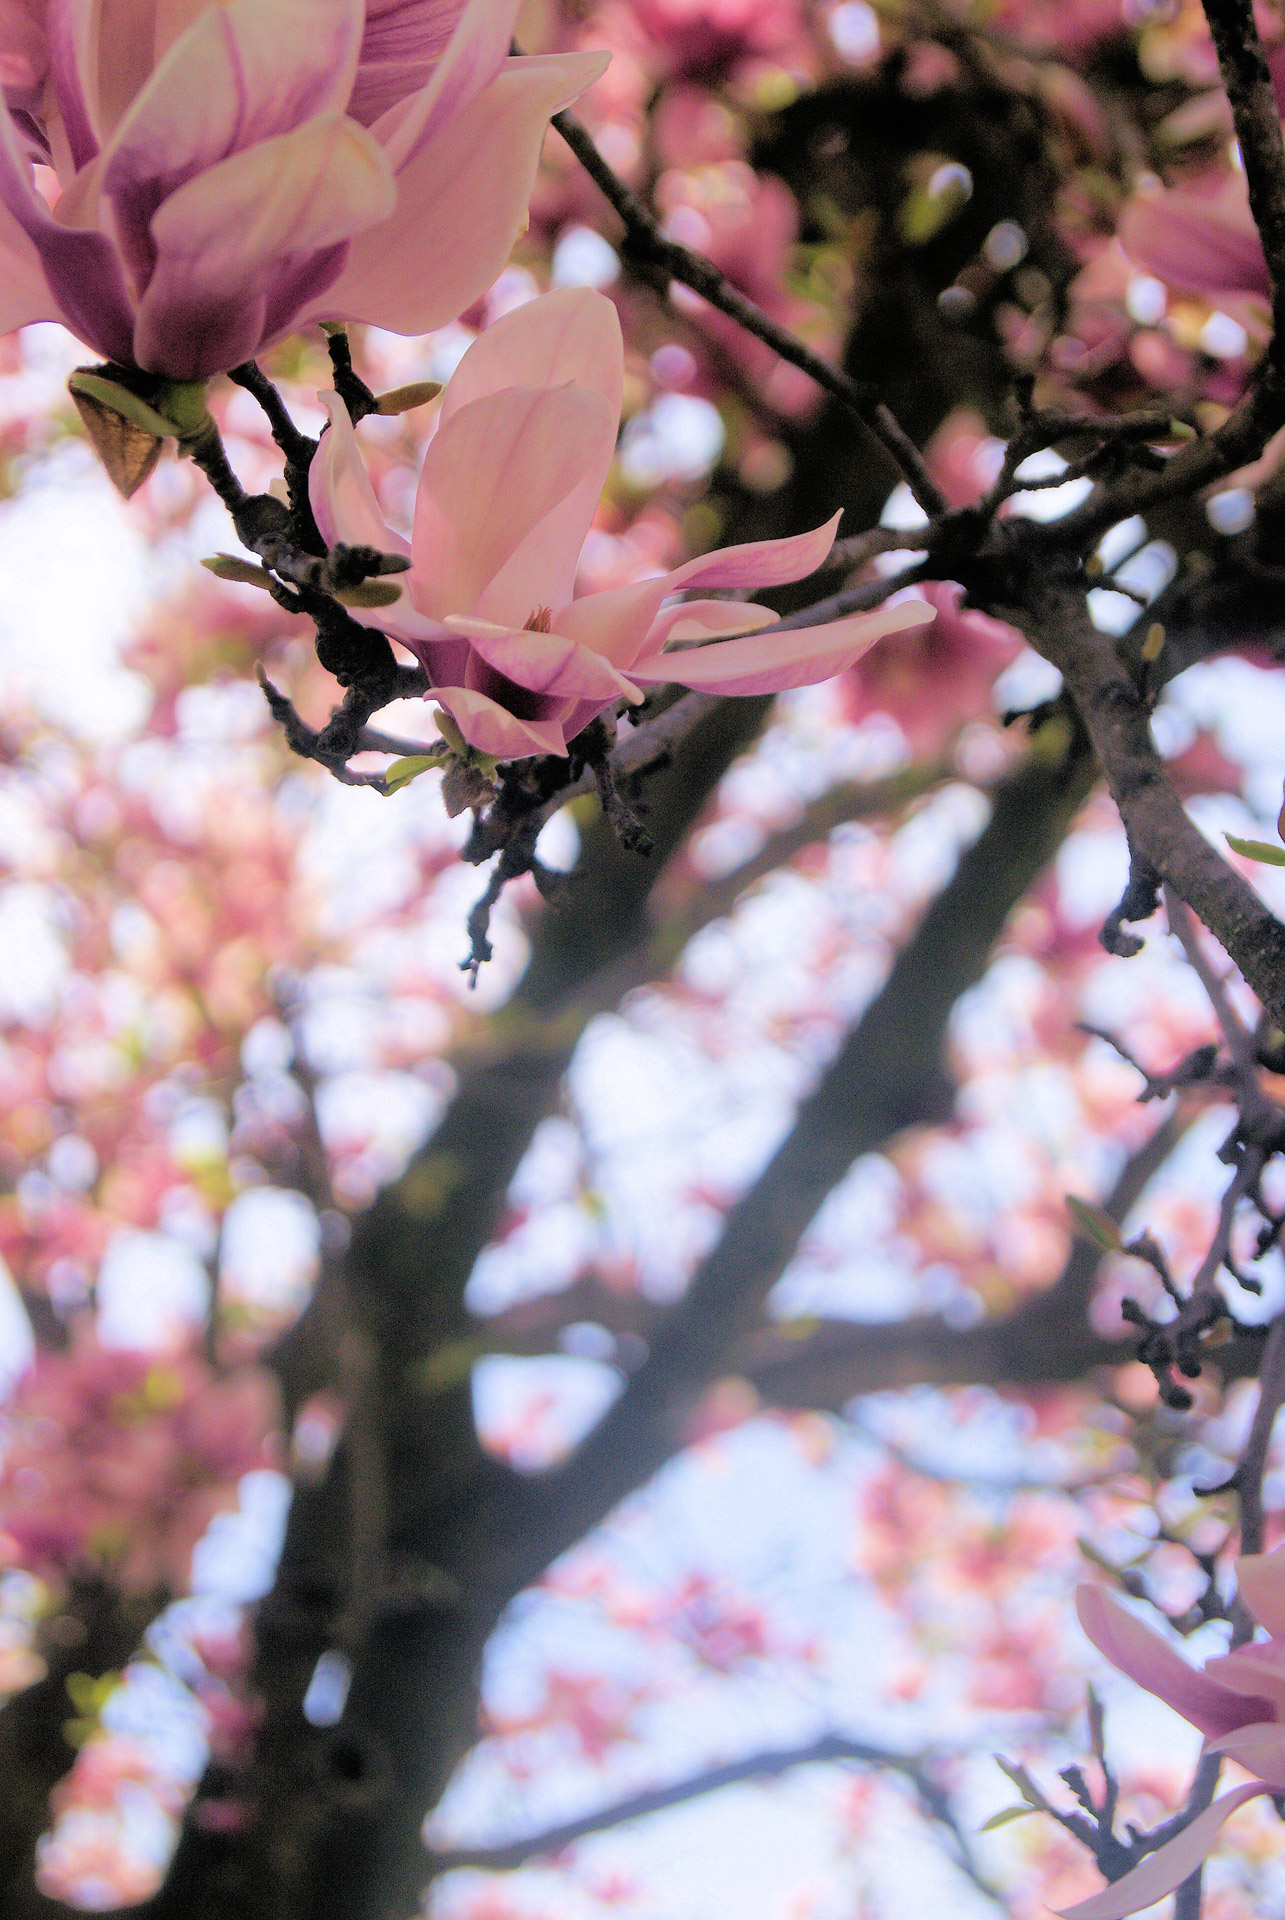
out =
column 707, row 620
column 1146, row 1658
column 1259, row 1749
column 240, row 75
column 339, row 490
column 1168, row 1868
column 1261, row 1579
column 79, row 265
column 468, row 61
column 572, row 334
column 773, row 662
column 546, row 662
column 1197, row 243
column 507, row 492
column 616, row 622
column 403, row 42
column 461, row 203
column 1256, row 1670
column 488, row 727
column 115, row 46
column 229, row 238
column 70, row 25
column 24, row 291
column 760, row 563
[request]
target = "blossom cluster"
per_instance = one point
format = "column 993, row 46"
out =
column 228, row 175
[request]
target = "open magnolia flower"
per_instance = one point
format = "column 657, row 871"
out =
column 510, row 483
column 226, row 172
column 1237, row 1701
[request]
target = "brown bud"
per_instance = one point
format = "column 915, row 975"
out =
column 129, row 453
column 465, row 785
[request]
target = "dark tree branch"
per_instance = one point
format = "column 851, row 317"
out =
column 1257, row 116
column 1118, row 722
column 887, row 1075
column 1048, row 1338
column 829, row 1749
column 647, row 248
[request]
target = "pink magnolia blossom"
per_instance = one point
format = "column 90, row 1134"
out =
column 1199, row 239
column 223, row 173
column 510, row 483
column 1237, row 1701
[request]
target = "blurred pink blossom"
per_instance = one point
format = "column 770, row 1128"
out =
column 116, row 1461
column 702, row 33
column 225, row 174
column 1198, row 239
column 510, row 484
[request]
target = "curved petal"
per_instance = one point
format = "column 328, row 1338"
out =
column 1259, row 1749
column 1257, row 1670
column 569, row 335
column 774, row 662
column 1166, row 1869
column 759, row 563
column 461, row 203
column 505, row 498
column 619, row 622
column 241, row 74
column 546, row 662
column 707, row 620
column 616, row 622
column 1149, row 1660
column 491, row 729
column 24, row 291
column 452, row 67
column 339, row 491
column 223, row 238
column 79, row 265
column 71, row 29
column 1261, row 1580
column 1196, row 243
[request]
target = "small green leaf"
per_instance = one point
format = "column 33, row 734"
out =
column 403, row 771
column 226, row 566
column 1257, row 850
column 1002, row 1818
column 1094, row 1223
column 369, row 593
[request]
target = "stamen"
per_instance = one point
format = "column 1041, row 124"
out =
column 540, row 621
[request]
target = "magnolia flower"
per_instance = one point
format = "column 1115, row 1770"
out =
column 226, row 172
column 1199, row 240
column 1238, row 1703
column 511, row 480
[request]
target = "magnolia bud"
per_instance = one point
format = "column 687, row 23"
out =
column 401, row 399
column 128, row 452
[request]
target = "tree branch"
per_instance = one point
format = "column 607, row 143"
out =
column 827, row 1750
column 1257, row 117
column 1118, row 722
column 887, row 1075
column 647, row 247
column 1048, row 1338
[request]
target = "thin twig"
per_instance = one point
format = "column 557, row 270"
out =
column 647, row 247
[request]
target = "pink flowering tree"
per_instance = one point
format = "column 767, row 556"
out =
column 515, row 1379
